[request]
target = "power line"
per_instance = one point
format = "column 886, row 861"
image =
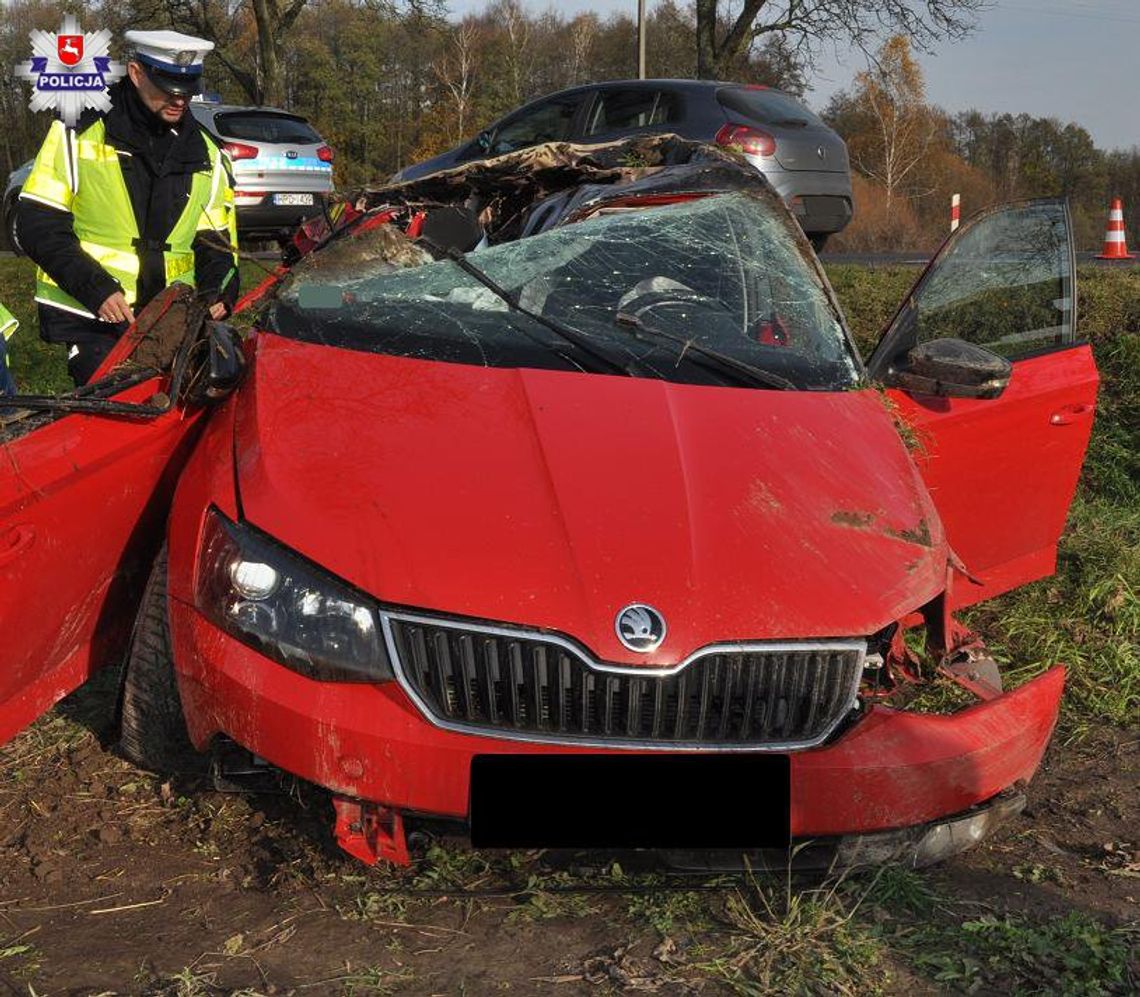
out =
column 1080, row 14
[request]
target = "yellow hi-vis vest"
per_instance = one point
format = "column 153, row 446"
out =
column 80, row 173
column 8, row 324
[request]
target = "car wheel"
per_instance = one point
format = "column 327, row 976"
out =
column 152, row 729
column 10, row 227
column 819, row 240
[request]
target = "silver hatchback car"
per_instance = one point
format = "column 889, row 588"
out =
column 282, row 168
column 798, row 154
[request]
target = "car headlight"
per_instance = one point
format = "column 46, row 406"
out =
column 290, row 610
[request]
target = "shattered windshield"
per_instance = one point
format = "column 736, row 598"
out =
column 655, row 289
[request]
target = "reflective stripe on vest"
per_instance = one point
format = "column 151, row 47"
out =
column 8, row 323
column 81, row 174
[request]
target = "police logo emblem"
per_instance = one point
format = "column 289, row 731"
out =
column 70, row 70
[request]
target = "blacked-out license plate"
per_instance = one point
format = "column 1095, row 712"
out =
column 630, row 801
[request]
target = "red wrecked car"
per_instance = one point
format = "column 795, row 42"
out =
column 557, row 500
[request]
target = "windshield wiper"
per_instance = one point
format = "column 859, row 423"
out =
column 572, row 336
column 91, row 398
column 720, row 363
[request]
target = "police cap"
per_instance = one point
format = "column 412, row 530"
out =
column 172, row 60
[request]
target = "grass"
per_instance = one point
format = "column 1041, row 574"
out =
column 786, row 940
column 548, row 897
column 669, row 910
column 19, row 960
column 378, row 905
column 1072, row 954
column 947, row 942
column 1087, row 616
column 370, row 980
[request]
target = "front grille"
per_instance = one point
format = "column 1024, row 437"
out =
column 541, row 688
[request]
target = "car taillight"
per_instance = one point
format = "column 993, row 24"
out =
column 325, row 154
column 751, row 140
column 239, row 150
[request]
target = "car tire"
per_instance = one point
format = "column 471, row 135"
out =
column 10, row 228
column 152, row 728
column 819, row 240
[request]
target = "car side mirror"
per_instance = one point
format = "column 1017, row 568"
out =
column 212, row 365
column 226, row 360
column 483, row 141
column 951, row 368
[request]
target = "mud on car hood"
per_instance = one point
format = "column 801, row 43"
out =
column 554, row 499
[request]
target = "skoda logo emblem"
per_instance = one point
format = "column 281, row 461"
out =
column 640, row 627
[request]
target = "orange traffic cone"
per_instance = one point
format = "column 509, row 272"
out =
column 1115, row 247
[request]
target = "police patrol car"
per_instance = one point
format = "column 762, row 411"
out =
column 282, row 168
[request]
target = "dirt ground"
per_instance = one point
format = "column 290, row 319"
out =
column 112, row 881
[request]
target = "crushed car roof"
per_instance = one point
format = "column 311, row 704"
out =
column 504, row 189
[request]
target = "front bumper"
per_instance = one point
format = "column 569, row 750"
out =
column 889, row 770
column 915, row 847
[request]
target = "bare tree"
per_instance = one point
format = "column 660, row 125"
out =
column 517, row 25
column 583, row 31
column 455, row 70
column 725, row 33
column 219, row 21
column 893, row 91
column 273, row 20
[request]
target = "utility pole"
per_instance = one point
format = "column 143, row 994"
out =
column 641, row 39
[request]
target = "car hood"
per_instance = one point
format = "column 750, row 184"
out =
column 554, row 499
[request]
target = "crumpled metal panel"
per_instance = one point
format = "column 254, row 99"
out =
column 504, row 188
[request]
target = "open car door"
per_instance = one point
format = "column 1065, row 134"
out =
column 1002, row 470
column 85, row 481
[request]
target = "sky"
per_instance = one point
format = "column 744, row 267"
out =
column 1070, row 59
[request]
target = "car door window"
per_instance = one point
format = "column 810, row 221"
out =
column 549, row 122
column 625, row 110
column 1004, row 282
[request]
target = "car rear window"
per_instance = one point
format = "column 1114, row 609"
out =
column 766, row 107
column 261, row 127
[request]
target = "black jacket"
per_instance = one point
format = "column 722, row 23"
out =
column 158, row 174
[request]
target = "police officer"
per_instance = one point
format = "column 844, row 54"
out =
column 127, row 202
